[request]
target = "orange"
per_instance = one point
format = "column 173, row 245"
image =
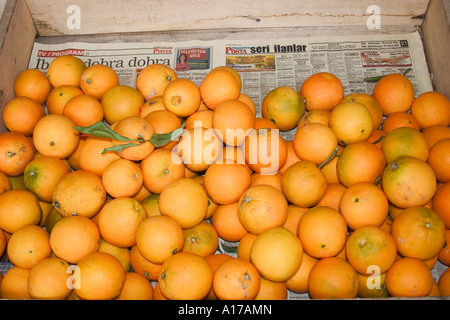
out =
column 158, row 238
column 42, row 174
column 299, row 281
column 119, row 219
column 248, row 101
column 121, row 101
column 322, row 90
column 370, row 103
column 439, row 160
column 444, row 283
column 293, row 217
column 364, row 204
column 263, row 123
column 153, row 104
column 34, row 84
column 202, row 239
column 92, row 157
column 245, row 245
column 14, row 284
column 372, row 286
column 52, row 218
column 404, row 141
column 329, row 169
column 231, row 154
column 122, row 178
column 136, row 287
column 283, row 106
column 273, row 180
column 28, row 245
column 79, row 192
column 143, row 266
column 65, row 70
column 83, row 110
column 122, row 254
column 21, row 115
column 408, row 181
column 233, row 121
column 435, row 133
column 430, row 109
column 377, row 137
column 140, row 131
column 153, row 79
column 226, row 182
column 351, row 122
column 440, row 203
column 265, row 151
column 185, row 276
column 419, row 233
column 226, row 221
column 444, row 254
column 157, row 294
column 5, row 183
column 236, row 279
column 17, row 209
column 97, row 79
column 315, row 142
column 370, row 246
column 322, row 232
column 101, row 277
column 303, row 184
column 185, row 201
column 200, row 118
column 220, row 84
column 49, row 279
column 271, row 290
column 398, row 120
column 332, row 278
column 394, row 92
column 55, row 135
column 74, row 237
column 3, row 242
column 16, row 151
column 315, row 116
column 262, row 207
column 59, row 96
column 333, row 196
column 182, row 97
column 291, row 156
column 360, row 162
column 277, row 254
column 164, row 121
column 409, row 277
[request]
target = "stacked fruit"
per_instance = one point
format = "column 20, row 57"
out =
column 115, row 192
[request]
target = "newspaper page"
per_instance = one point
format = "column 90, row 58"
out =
column 263, row 64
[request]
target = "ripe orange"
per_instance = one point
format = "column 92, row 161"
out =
column 122, row 178
column 299, row 281
column 202, row 239
column 263, row 123
column 444, row 254
column 404, row 141
column 444, row 283
column 185, row 276
column 271, row 290
column 351, row 122
column 439, row 160
column 226, row 221
column 364, row 204
column 65, row 70
column 153, row 104
column 164, row 121
column 315, row 142
column 262, row 207
column 34, row 84
column 5, row 183
column 440, row 203
column 399, row 119
column 409, row 277
column 283, row 106
column 236, row 279
column 14, row 284
column 248, row 101
column 322, row 232
column 122, row 254
column 153, row 79
column 91, row 156
column 430, row 109
column 291, row 157
column 333, row 196
column 273, row 180
column 17, row 209
column 377, row 137
column 185, row 201
column 59, row 96
column 121, row 101
column 220, row 84
column 80, row 193
column 394, row 92
column 372, row 286
column 101, row 277
column 322, row 90
column 226, row 182
column 119, row 219
column 332, row 278
column 83, row 110
column 419, row 232
column 143, row 266
column 55, row 135
column 136, row 287
column 21, row 115
column 435, row 133
column 315, row 116
column 74, row 237
column 97, row 79
column 293, row 217
column 277, row 254
column 370, row 103
column 158, row 238
column 200, row 118
column 303, row 184
column 245, row 245
column 182, row 97
column 16, row 151
column 408, row 181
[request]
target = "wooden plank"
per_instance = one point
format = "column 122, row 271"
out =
column 104, row 16
column 436, row 30
column 15, row 47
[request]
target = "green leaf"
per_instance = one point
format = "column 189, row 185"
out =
column 100, row 129
column 120, row 147
column 159, row 140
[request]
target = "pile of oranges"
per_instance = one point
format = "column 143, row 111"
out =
column 356, row 204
